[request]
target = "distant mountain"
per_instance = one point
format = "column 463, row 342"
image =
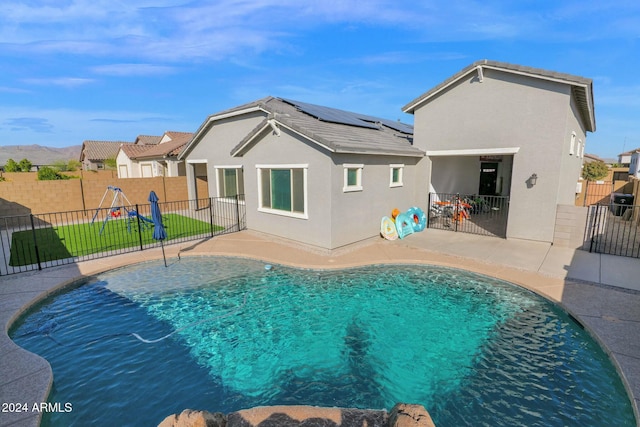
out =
column 38, row 154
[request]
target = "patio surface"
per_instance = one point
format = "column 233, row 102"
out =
column 601, row 291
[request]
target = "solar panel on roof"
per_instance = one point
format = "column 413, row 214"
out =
column 332, row 115
column 399, row 126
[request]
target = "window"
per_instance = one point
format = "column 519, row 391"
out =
column 572, row 146
column 579, row 148
column 395, row 175
column 581, row 145
column 352, row 177
column 283, row 189
column 230, row 181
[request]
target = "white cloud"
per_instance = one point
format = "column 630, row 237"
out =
column 174, row 31
column 68, row 82
column 132, row 70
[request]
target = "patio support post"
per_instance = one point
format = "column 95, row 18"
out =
column 35, row 241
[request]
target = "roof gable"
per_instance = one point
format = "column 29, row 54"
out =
column 147, row 140
column 170, row 146
column 581, row 87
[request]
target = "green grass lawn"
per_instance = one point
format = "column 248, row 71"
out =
column 77, row 240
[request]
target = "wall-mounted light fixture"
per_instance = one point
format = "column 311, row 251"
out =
column 533, row 179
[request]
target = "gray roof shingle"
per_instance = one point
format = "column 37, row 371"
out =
column 373, row 138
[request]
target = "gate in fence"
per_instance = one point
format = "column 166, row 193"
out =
column 613, row 229
column 33, row 242
column 484, row 215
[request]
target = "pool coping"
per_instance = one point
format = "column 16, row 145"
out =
column 610, row 313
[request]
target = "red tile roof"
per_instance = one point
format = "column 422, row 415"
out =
column 166, row 149
column 101, row 150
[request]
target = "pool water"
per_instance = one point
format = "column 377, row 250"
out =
column 223, row 334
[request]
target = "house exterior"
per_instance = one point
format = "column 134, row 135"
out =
column 325, row 177
column 634, row 164
column 503, row 129
column 624, row 159
column 94, row 153
column 311, row 174
column 152, row 156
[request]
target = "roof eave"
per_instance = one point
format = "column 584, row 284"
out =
column 419, row 154
column 241, row 148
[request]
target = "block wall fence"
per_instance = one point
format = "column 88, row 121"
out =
column 21, row 193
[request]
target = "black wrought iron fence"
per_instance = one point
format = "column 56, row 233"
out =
column 474, row 214
column 613, row 229
column 33, row 242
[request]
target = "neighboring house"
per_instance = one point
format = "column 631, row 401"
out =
column 152, row 156
column 589, row 158
column 624, row 159
column 94, row 153
column 312, row 174
column 504, row 129
column 325, row 177
column 634, row 164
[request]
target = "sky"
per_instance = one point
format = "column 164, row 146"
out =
column 110, row 70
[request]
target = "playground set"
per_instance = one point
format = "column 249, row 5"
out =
column 119, row 210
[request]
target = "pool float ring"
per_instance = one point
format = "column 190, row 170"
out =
column 419, row 218
column 404, row 225
column 395, row 212
column 388, row 228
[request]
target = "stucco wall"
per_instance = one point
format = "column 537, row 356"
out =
column 290, row 149
column 502, row 111
column 571, row 163
column 356, row 215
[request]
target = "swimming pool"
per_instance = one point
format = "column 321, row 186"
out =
column 223, row 334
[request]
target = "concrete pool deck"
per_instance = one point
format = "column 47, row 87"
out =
column 601, row 291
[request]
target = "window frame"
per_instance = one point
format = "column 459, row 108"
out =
column 581, row 145
column 400, row 168
column 572, row 144
column 281, row 212
column 579, row 148
column 222, row 168
column 346, row 188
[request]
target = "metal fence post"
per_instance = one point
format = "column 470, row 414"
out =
column 428, row 210
column 596, row 223
column 35, row 241
column 238, row 211
column 456, row 208
column 139, row 226
column 211, row 215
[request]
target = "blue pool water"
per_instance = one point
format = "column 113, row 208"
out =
column 223, row 334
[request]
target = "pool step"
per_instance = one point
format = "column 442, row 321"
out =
column 402, row 415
